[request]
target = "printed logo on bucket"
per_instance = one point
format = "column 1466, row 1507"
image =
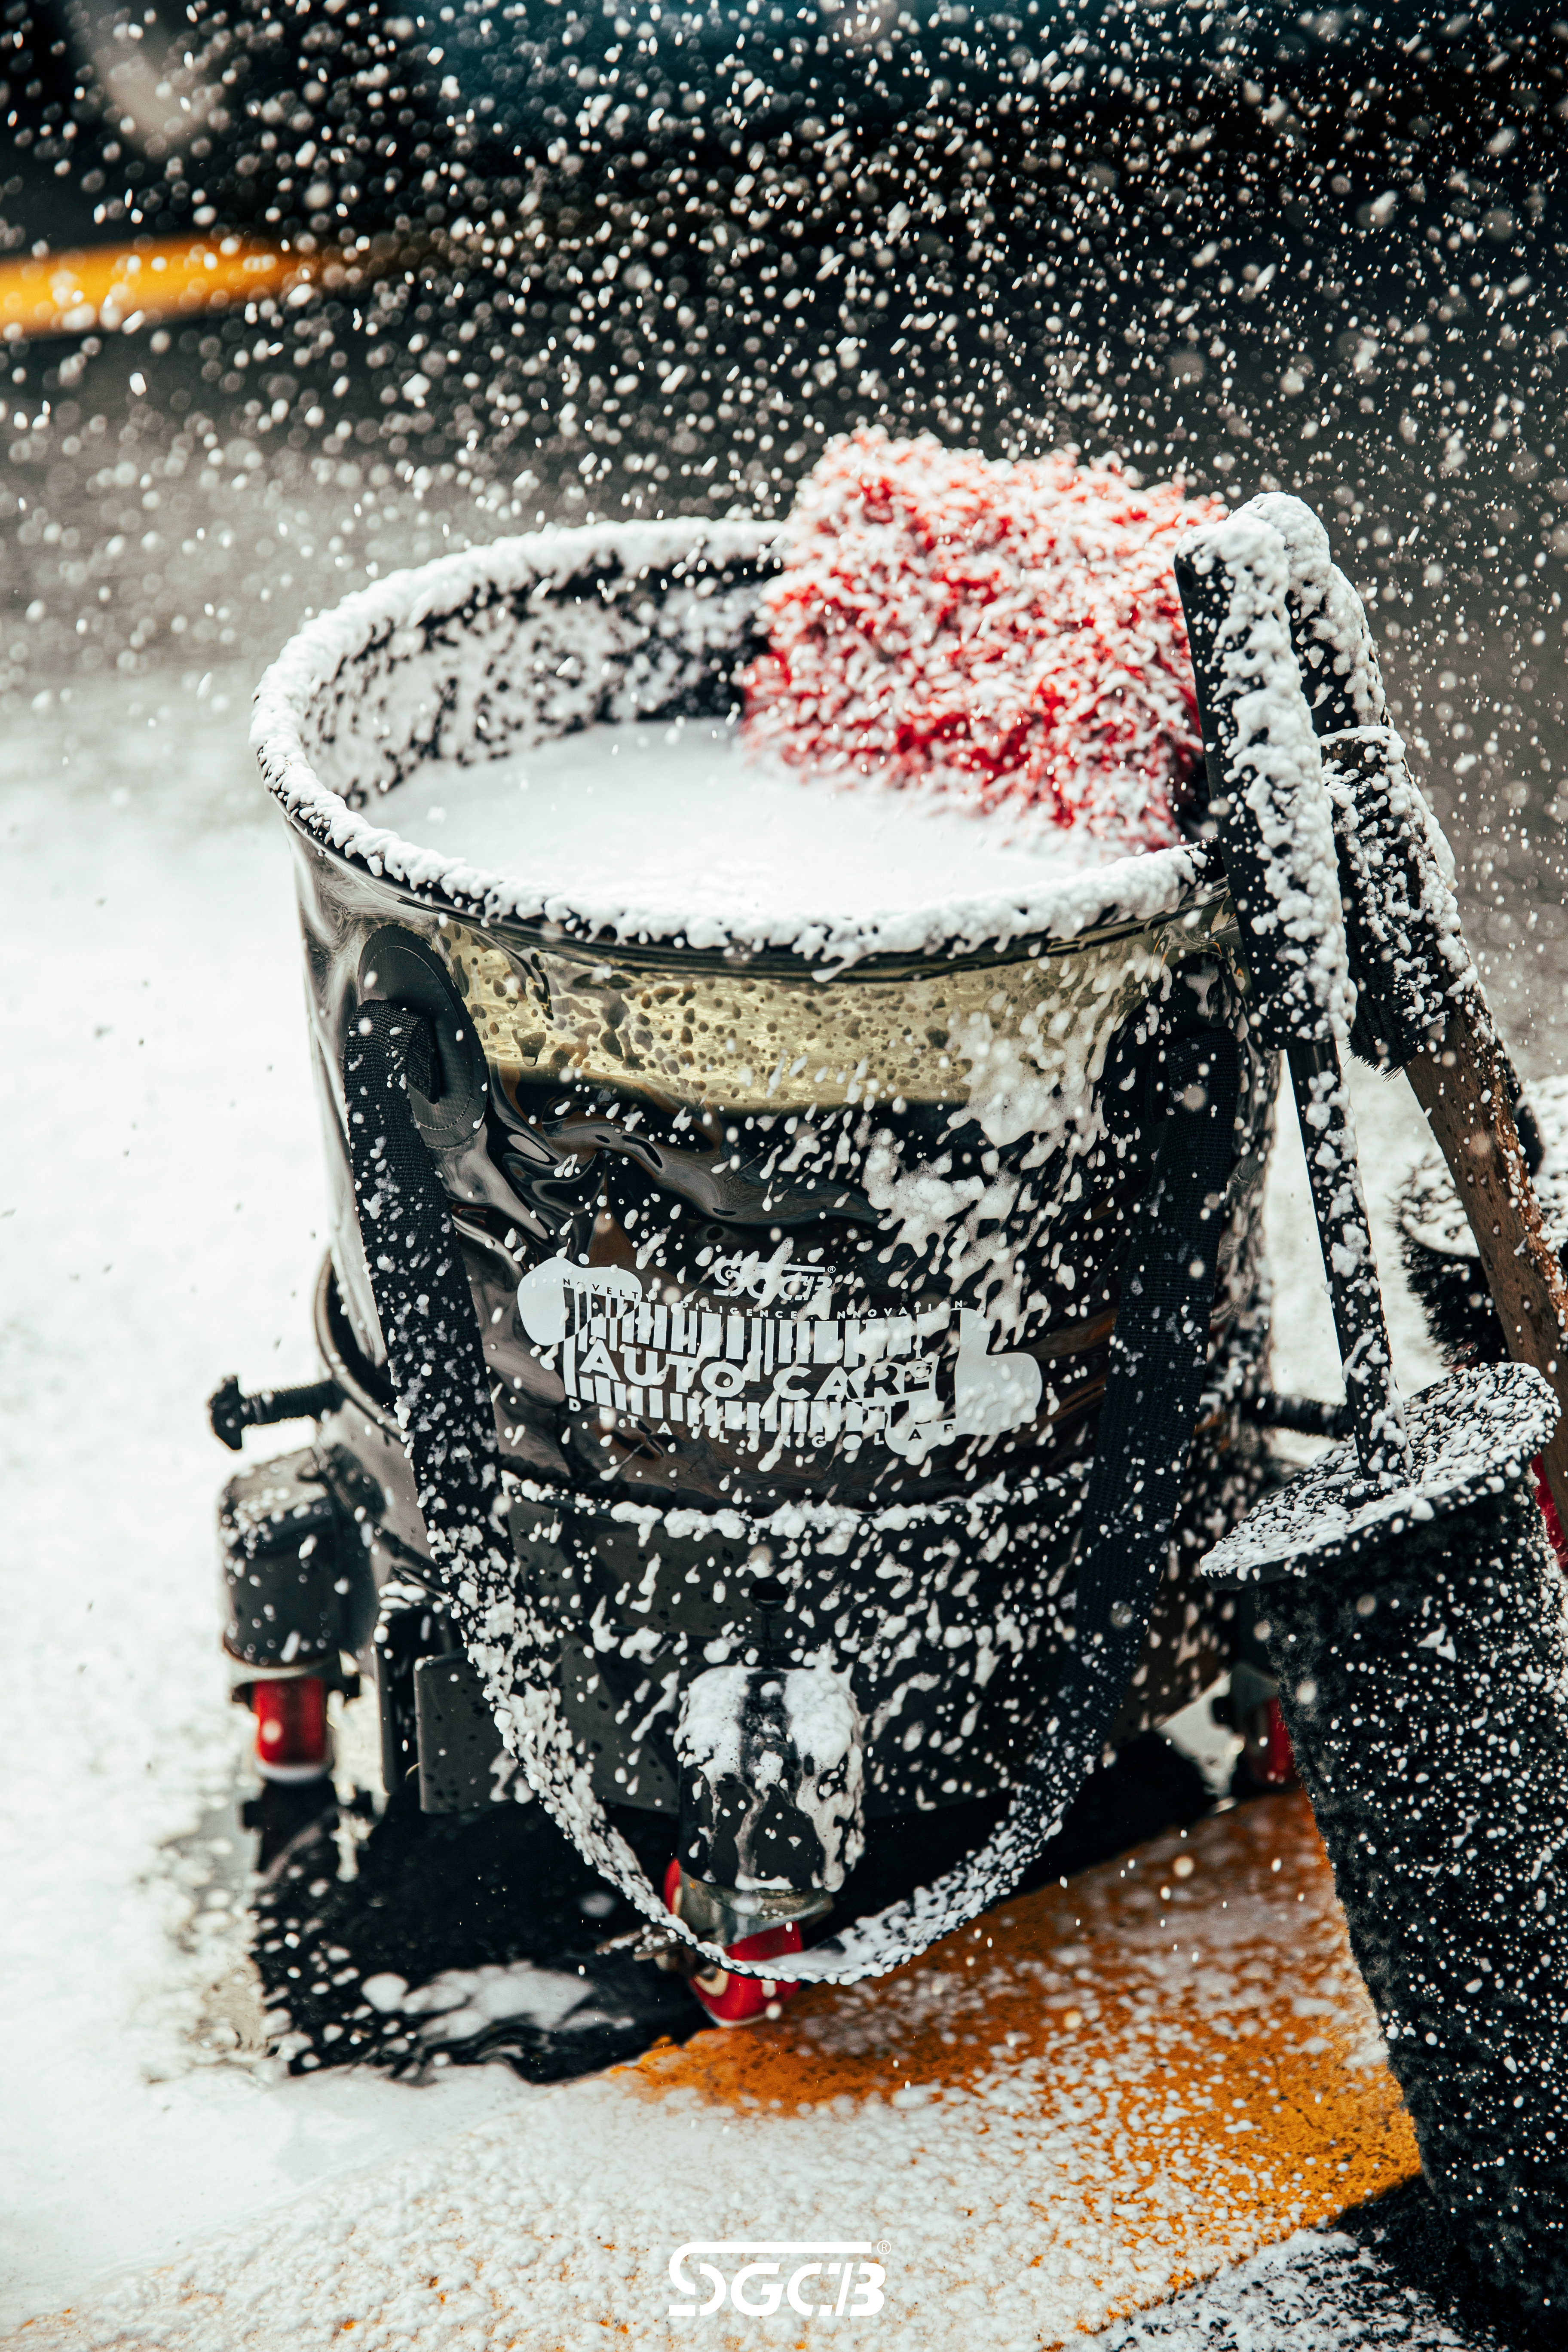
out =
column 910, row 1381
column 832, row 2280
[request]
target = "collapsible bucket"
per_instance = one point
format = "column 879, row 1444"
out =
column 794, row 1258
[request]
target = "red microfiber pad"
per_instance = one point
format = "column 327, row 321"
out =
column 1008, row 634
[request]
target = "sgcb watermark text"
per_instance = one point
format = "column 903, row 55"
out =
column 834, row 2279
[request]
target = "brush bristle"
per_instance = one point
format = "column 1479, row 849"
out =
column 1436, row 1244
column 1423, row 1688
column 1455, row 1303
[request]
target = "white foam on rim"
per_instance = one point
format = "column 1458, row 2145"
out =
column 383, row 633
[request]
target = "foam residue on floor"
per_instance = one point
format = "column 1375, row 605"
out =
column 160, row 1213
column 1101, row 2094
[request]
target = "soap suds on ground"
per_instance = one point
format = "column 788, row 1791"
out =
column 160, row 1213
column 1083, row 2103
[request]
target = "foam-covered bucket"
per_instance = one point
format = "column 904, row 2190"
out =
column 794, row 1255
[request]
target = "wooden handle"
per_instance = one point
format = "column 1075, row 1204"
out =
column 1461, row 1086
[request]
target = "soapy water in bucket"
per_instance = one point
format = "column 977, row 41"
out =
column 949, row 639
column 704, row 823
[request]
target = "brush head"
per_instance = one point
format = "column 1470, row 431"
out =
column 1005, row 635
column 1472, row 1435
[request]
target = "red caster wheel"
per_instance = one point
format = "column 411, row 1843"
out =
column 736, row 1999
column 292, row 1741
column 1270, row 1758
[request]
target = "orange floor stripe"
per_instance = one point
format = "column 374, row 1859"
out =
column 1192, row 2019
column 111, row 286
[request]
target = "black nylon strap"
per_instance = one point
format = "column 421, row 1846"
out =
column 1159, row 1350
column 422, row 1296
column 1160, row 1343
column 446, row 1416
column 1153, row 1387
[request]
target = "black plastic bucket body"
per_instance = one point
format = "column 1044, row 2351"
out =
column 788, row 1265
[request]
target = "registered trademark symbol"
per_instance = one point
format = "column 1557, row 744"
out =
column 884, row 2246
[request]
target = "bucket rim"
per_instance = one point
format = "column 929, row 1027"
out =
column 1123, row 896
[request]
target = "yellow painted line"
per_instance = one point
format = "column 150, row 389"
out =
column 1191, row 2047
column 113, row 286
